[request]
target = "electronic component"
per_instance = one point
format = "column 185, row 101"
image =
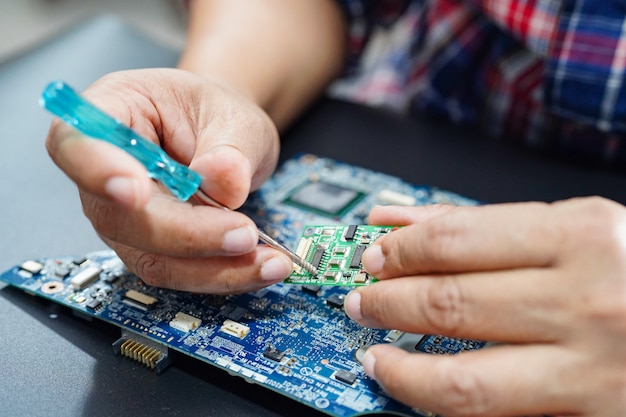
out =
column 316, row 259
column 350, row 232
column 335, row 300
column 81, row 261
column 307, row 321
column 311, row 289
column 85, row 277
column 235, row 329
column 139, row 300
column 184, row 322
column 94, row 304
column 325, row 198
column 338, row 253
column 138, row 348
column 273, row 354
column 345, row 376
column 52, row 287
column 33, row 267
column 355, row 262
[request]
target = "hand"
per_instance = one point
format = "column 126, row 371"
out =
column 547, row 281
column 221, row 135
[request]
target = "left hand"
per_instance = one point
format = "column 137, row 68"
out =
column 547, row 281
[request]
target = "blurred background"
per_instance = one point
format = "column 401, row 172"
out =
column 26, row 23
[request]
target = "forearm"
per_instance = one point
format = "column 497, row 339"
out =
column 279, row 53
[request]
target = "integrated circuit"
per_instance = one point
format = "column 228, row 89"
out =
column 273, row 354
column 345, row 376
column 336, row 251
column 325, row 198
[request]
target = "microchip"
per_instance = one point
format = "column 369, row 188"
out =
column 312, row 289
column 273, row 354
column 317, row 257
column 345, row 377
column 94, row 304
column 350, row 232
column 335, row 300
column 325, row 198
column 355, row 262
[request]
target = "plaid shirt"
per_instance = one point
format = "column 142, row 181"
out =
column 547, row 73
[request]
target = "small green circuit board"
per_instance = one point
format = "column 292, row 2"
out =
column 335, row 251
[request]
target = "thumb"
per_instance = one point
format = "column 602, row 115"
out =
column 391, row 368
column 226, row 174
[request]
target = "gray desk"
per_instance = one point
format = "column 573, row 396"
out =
column 52, row 363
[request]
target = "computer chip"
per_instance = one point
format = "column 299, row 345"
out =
column 325, row 198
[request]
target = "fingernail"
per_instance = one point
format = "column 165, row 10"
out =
column 352, row 306
column 122, row 190
column 373, row 259
column 276, row 269
column 241, row 240
column 369, row 363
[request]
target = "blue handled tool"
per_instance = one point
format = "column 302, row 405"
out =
column 69, row 106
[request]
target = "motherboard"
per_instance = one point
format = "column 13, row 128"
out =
column 294, row 337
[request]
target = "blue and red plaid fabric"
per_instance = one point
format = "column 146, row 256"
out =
column 548, row 73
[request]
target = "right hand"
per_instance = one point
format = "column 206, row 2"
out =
column 200, row 122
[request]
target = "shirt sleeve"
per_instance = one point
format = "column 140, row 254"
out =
column 583, row 44
column 585, row 68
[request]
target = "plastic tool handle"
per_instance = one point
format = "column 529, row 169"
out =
column 62, row 101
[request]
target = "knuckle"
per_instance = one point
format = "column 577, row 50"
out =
column 440, row 239
column 466, row 395
column 595, row 218
column 190, row 243
column 395, row 254
column 443, row 305
column 152, row 269
column 101, row 215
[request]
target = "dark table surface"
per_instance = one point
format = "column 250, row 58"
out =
column 53, row 363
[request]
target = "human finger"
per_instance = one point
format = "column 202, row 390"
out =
column 512, row 306
column 168, row 226
column 216, row 275
column 506, row 380
column 402, row 216
column 237, row 147
column 99, row 168
column 470, row 239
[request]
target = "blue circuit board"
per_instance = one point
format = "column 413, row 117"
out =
column 292, row 339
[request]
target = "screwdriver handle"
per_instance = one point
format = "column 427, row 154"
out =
column 62, row 101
